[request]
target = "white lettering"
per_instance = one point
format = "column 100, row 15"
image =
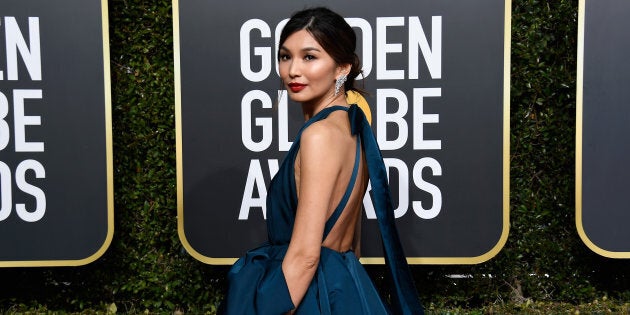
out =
column 21, row 121
column 255, row 177
column 428, row 187
column 417, row 38
column 420, row 118
column 4, row 126
column 384, row 48
column 265, row 123
column 263, row 52
column 5, row 191
column 279, row 28
column 15, row 42
column 418, row 47
column 283, row 123
column 403, row 184
column 273, row 167
column 397, row 118
column 366, row 49
column 40, row 197
column 367, row 203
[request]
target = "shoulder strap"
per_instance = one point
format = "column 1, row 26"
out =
column 344, row 200
column 404, row 297
column 322, row 114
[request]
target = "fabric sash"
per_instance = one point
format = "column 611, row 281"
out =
column 405, row 298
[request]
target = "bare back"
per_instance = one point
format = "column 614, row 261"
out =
column 341, row 148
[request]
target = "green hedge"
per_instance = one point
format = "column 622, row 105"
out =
column 147, row 268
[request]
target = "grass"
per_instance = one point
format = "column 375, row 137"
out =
column 600, row 306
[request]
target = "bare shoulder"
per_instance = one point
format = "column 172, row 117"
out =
column 325, row 134
column 320, row 132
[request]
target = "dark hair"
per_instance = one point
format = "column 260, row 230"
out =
column 333, row 33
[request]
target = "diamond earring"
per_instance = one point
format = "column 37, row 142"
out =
column 339, row 83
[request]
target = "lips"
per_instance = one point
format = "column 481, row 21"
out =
column 296, row 87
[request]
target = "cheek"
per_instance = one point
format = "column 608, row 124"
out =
column 283, row 70
column 322, row 72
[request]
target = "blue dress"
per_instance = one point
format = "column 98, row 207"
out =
column 341, row 284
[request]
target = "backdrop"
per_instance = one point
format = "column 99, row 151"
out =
column 56, row 205
column 438, row 77
column 603, row 123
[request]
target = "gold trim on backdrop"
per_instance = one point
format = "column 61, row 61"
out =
column 506, row 169
column 109, row 166
column 579, row 120
column 178, row 155
column 366, row 260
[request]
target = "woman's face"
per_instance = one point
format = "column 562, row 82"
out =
column 307, row 71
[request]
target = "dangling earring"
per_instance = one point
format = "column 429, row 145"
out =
column 339, row 83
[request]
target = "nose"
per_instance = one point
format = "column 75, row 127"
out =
column 294, row 69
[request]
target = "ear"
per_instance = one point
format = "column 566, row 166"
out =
column 343, row 69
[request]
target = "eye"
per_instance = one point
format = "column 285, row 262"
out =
column 284, row 57
column 309, row 57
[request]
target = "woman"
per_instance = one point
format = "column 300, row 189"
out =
column 314, row 203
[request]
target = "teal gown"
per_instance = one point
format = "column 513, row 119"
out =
column 256, row 284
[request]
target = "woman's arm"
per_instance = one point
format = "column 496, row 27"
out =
column 320, row 162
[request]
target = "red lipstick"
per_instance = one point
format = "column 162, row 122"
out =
column 296, row 87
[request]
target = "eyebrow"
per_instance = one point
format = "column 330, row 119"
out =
column 305, row 49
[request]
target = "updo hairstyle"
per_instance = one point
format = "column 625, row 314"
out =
column 333, row 33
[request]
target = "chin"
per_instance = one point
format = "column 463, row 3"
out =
column 298, row 98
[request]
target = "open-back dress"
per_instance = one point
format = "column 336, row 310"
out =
column 341, row 284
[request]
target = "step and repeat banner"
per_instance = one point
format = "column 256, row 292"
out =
column 603, row 126
column 56, row 195
column 438, row 77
